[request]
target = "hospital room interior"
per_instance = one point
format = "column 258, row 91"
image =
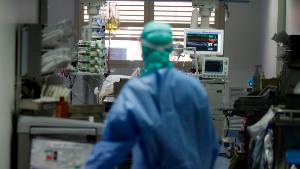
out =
column 150, row 84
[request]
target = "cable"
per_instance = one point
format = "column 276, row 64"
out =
column 227, row 114
column 228, row 123
column 99, row 80
column 77, row 96
column 72, row 82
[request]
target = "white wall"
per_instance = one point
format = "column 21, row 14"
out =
column 11, row 12
column 269, row 61
column 59, row 10
column 293, row 17
column 243, row 40
column 248, row 34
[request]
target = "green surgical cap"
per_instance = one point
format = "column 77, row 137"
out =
column 156, row 46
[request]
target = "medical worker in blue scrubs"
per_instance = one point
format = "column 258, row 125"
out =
column 162, row 117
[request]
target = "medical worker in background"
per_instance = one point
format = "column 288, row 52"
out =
column 162, row 117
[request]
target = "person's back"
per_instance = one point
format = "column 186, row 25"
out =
column 176, row 129
column 163, row 116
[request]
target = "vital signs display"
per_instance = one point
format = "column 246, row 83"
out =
column 206, row 41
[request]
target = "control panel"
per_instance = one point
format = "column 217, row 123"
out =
column 214, row 67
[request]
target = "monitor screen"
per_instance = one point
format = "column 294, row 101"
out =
column 205, row 41
column 57, row 154
column 215, row 66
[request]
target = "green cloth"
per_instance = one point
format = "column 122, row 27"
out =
column 157, row 45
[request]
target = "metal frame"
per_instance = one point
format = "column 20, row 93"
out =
column 280, row 143
column 31, row 127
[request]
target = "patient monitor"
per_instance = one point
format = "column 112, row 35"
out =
column 206, row 41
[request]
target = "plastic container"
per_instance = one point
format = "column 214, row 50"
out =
column 62, row 108
column 257, row 79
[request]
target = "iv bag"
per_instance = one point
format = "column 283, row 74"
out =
column 113, row 22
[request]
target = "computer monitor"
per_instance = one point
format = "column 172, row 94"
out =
column 214, row 67
column 206, row 41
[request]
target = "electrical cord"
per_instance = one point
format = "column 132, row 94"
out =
column 100, row 79
column 227, row 114
column 228, row 123
column 71, row 84
column 77, row 96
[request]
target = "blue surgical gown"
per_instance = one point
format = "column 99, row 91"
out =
column 163, row 118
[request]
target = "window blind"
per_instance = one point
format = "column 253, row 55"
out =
column 131, row 17
column 178, row 14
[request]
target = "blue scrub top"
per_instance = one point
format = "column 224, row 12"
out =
column 163, row 118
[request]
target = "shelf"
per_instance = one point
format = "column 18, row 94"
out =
column 86, row 74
